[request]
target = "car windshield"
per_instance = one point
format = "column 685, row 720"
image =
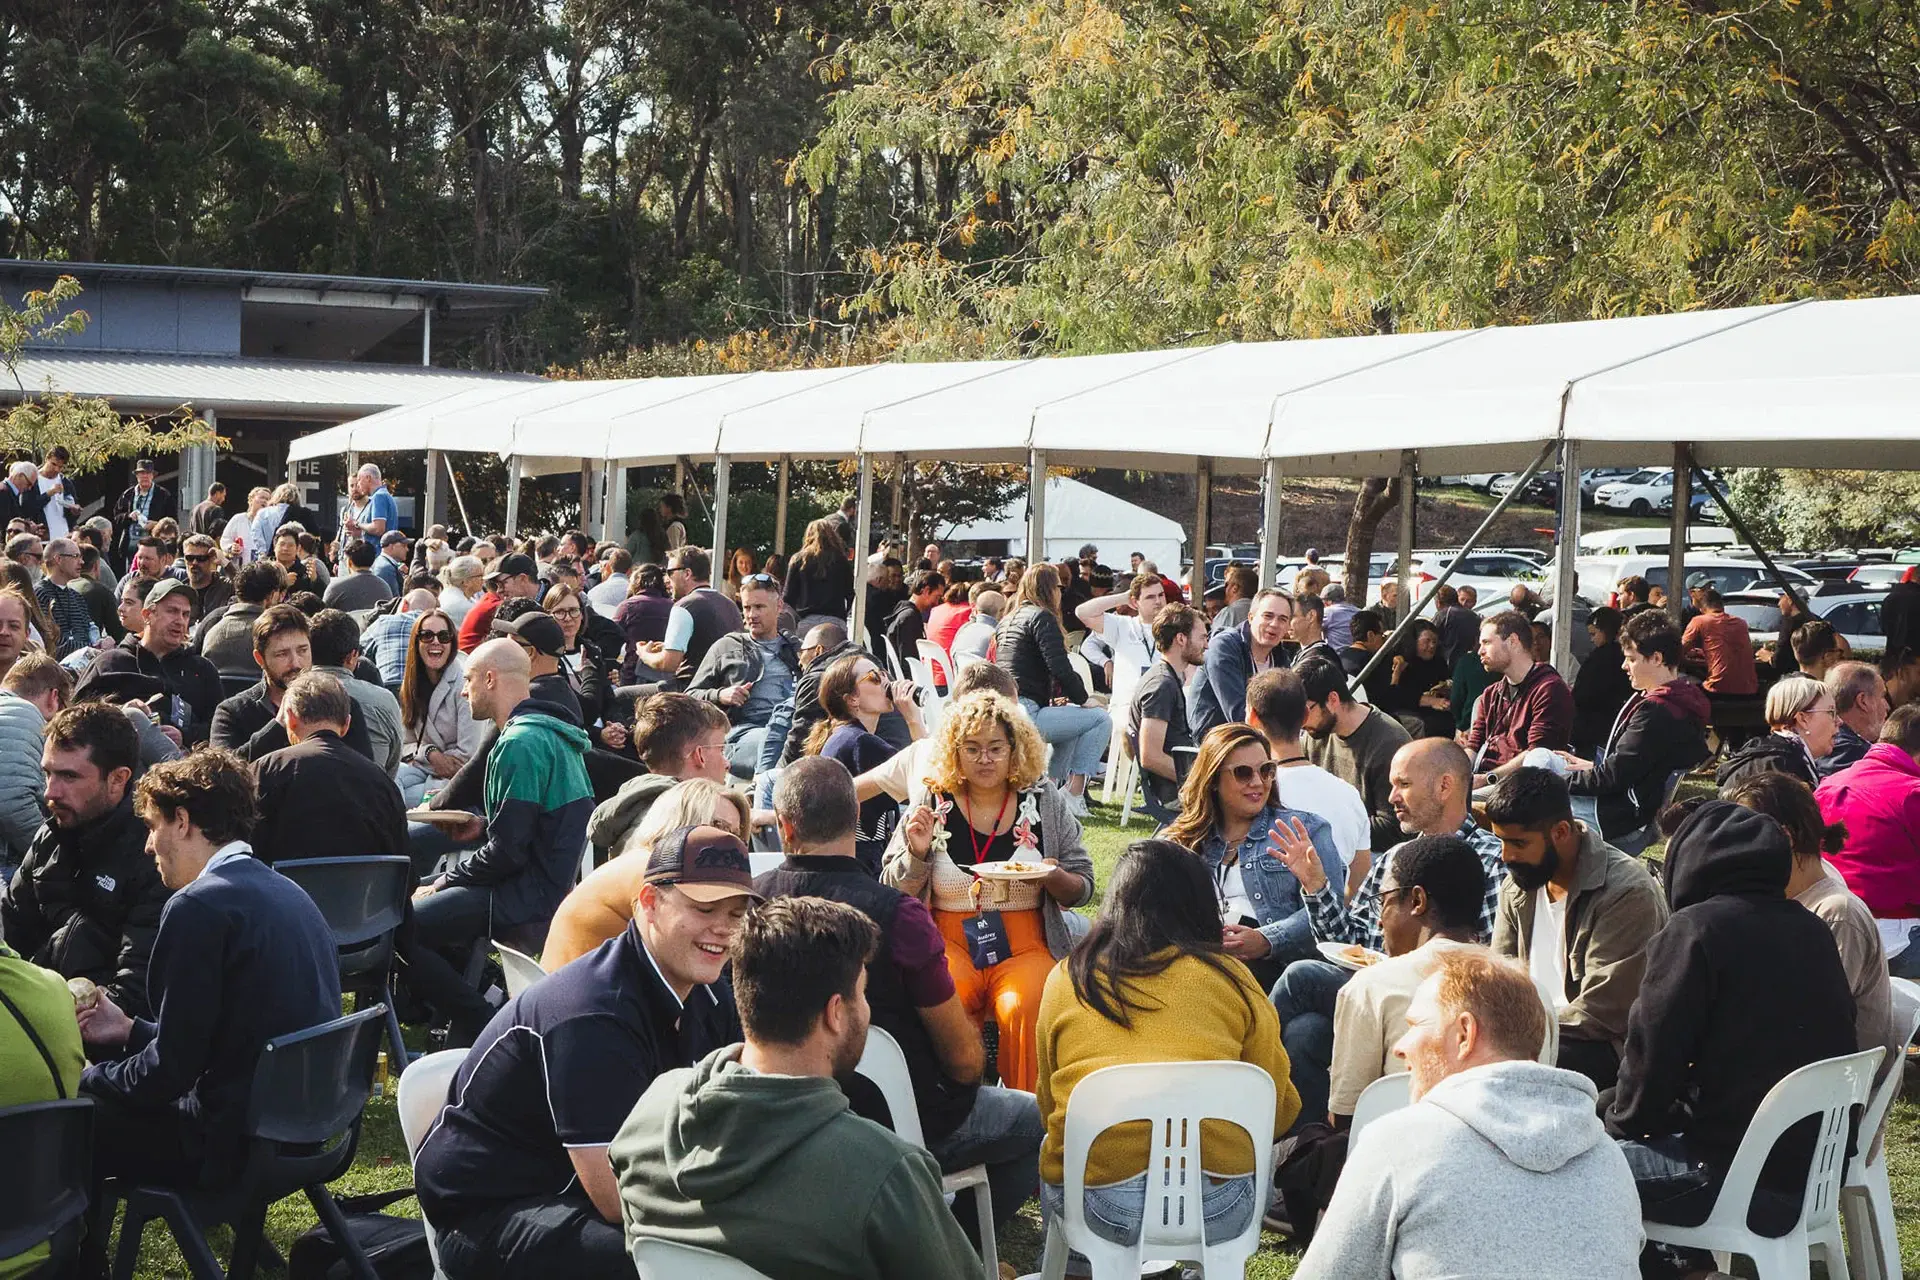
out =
column 1758, row 615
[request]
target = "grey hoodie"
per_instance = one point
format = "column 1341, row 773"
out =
column 1502, row 1172
column 619, row 814
column 778, row 1172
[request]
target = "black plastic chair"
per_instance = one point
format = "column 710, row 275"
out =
column 232, row 685
column 50, row 1145
column 303, row 1125
column 364, row 900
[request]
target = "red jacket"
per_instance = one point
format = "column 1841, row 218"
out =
column 1511, row 718
column 478, row 626
column 1878, row 797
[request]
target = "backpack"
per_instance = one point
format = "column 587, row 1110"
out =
column 397, row 1247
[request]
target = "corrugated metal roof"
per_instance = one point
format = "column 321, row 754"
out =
column 305, row 389
column 509, row 297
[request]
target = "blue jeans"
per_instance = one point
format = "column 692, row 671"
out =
column 743, row 748
column 1114, row 1212
column 1907, row 963
column 1079, row 735
column 1003, row 1132
column 1304, row 998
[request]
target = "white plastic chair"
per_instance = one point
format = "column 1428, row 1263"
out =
column 1173, row 1097
column 521, row 969
column 1830, row 1090
column 1383, row 1097
column 420, row 1098
column 657, row 1259
column 1866, row 1197
column 938, row 660
column 885, row 1065
column 934, row 704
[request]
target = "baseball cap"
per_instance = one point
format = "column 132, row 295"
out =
column 393, row 537
column 167, row 587
column 708, row 864
column 539, row 630
column 1698, row 580
column 145, row 464
column 513, row 563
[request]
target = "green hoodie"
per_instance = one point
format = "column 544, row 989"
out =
column 777, row 1172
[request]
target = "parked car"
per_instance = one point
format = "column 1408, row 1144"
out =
column 1854, row 614
column 1480, row 480
column 1487, row 572
column 1641, row 493
column 1544, row 488
column 1878, row 574
column 1593, row 477
column 1597, row 575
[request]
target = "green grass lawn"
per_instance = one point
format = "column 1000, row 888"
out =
column 382, row 1160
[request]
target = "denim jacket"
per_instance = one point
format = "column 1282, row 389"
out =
column 1272, row 889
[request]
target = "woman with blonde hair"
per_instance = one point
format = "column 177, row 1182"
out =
column 819, row 583
column 464, row 581
column 1801, row 721
column 985, row 800
column 1231, row 815
column 236, row 540
column 601, row 905
column 1032, row 644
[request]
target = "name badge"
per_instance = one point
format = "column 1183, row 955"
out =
column 987, row 943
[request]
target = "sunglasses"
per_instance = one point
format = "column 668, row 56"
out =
column 436, row 637
column 193, row 559
column 872, row 677
column 759, row 580
column 1245, row 773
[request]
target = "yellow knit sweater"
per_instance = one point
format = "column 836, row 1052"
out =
column 1191, row 1013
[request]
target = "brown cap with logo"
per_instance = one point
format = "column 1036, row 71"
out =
column 707, row 863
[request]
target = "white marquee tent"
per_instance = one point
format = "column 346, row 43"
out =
column 1076, row 515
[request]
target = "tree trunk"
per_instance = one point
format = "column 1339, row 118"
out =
column 1378, row 495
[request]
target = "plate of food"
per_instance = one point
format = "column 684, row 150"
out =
column 1348, row 956
column 441, row 817
column 1012, row 869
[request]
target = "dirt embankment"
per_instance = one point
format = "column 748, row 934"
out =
column 1314, row 513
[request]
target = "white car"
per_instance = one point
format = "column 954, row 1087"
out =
column 1639, row 493
column 1489, row 573
column 1597, row 575
column 1854, row 614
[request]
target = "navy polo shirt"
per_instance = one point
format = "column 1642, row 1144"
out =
column 560, row 1066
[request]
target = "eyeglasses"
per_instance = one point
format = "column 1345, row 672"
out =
column 983, row 755
column 572, row 611
column 1386, row 895
column 436, row 637
column 1245, row 773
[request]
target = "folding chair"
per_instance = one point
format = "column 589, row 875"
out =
column 421, row 1097
column 885, row 1065
column 363, row 901
column 1829, row 1090
column 1174, row 1097
column 46, row 1200
column 521, row 970
column 1383, row 1097
column 1866, row 1195
column 657, row 1259
column 303, row 1125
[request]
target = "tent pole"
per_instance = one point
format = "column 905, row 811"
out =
column 1473, row 540
column 1202, row 518
column 1036, row 506
column 1270, row 525
column 1740, row 527
column 784, row 479
column 899, row 482
column 513, row 497
column 680, row 476
column 433, row 495
column 616, row 502
column 1677, row 532
column 1566, row 577
column 722, row 475
column 1403, row 566
column 453, row 482
column 586, row 493
column 863, row 525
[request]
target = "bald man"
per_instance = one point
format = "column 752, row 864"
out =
column 386, row 637
column 538, row 801
column 1432, row 782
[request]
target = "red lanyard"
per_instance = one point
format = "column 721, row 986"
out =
column 980, row 851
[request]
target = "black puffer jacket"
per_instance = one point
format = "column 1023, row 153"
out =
column 1031, row 646
column 1768, row 753
column 86, row 903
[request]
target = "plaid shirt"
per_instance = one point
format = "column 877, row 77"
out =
column 1336, row 920
column 68, row 611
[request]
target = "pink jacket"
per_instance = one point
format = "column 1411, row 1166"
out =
column 1878, row 798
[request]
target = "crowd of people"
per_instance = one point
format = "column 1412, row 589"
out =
column 1366, row 862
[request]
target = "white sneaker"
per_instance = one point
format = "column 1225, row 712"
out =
column 1076, row 804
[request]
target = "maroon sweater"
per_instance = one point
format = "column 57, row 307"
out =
column 1511, row 718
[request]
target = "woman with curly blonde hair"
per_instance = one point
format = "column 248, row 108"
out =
column 986, row 800
column 601, row 905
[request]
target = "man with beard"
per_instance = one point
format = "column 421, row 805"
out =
column 86, row 901
column 1352, row 741
column 212, row 590
column 1429, row 794
column 731, row 1153
column 1577, row 912
column 248, row 723
column 182, row 686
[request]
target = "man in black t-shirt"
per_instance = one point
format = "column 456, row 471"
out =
column 1157, row 720
column 514, row 1174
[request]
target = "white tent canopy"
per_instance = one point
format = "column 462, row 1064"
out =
column 824, row 420
column 558, row 438
column 1076, row 515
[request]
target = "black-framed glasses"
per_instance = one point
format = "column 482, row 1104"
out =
column 1245, row 773
column 1386, row 895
